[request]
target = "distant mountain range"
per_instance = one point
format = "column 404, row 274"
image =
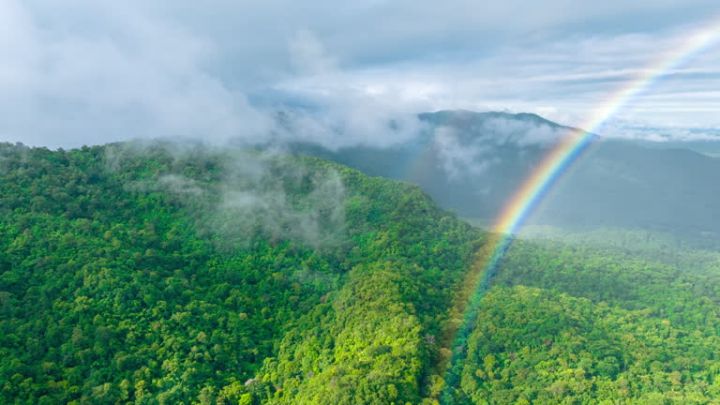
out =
column 472, row 162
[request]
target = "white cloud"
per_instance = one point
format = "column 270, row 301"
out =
column 308, row 54
column 644, row 131
column 342, row 113
column 90, row 72
column 566, row 81
column 469, row 147
column 460, row 159
column 140, row 78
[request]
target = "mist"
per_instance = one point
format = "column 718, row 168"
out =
column 250, row 194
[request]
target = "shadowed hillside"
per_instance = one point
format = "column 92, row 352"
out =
column 471, row 163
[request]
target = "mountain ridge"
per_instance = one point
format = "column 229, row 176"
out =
column 472, row 163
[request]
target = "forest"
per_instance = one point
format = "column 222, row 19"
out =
column 159, row 273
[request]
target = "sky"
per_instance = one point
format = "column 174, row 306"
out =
column 89, row 72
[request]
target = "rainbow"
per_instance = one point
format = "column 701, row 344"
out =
column 535, row 187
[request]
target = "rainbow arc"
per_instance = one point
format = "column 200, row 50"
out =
column 553, row 166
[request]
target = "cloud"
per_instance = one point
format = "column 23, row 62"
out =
column 519, row 132
column 639, row 131
column 92, row 72
column 458, row 159
column 336, row 114
column 566, row 80
column 469, row 148
column 137, row 78
column 179, row 185
column 308, row 54
column 249, row 193
column 279, row 199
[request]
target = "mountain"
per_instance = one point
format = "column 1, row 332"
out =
column 172, row 273
column 471, row 163
column 177, row 274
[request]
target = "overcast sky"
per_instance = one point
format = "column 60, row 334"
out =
column 87, row 71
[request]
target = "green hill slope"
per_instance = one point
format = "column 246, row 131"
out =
column 160, row 273
column 572, row 322
column 163, row 275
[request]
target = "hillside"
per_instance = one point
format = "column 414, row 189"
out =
column 166, row 273
column 471, row 163
column 577, row 322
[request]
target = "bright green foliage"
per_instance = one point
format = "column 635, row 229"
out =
column 364, row 348
column 680, row 285
column 596, row 325
column 540, row 347
column 375, row 338
column 157, row 274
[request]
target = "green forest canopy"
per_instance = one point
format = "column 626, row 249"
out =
column 160, row 273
